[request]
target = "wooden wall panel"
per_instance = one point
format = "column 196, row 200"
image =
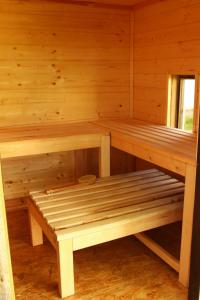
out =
column 62, row 63
column 59, row 63
column 166, row 41
column 121, row 162
column 22, row 175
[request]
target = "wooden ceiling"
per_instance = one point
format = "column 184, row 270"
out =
column 120, row 3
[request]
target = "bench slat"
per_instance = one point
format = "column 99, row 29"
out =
column 108, row 198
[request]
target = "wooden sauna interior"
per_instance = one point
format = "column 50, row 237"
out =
column 92, row 61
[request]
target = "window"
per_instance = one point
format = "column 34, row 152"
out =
column 181, row 102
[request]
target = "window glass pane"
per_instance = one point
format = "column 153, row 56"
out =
column 188, row 104
column 181, row 102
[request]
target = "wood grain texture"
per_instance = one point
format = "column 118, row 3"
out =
column 59, row 63
column 166, row 42
column 111, row 208
column 101, row 272
column 111, row 201
column 187, row 226
column 169, row 148
column 6, row 275
column 158, row 250
column 58, row 168
column 63, row 63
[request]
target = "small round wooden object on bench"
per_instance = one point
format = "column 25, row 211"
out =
column 87, row 179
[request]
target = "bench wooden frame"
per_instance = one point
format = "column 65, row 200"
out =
column 118, row 206
column 171, row 149
column 165, row 147
column 21, row 141
column 32, row 140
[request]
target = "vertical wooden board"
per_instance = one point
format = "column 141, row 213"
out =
column 187, row 225
column 104, row 157
column 6, row 277
column 131, row 61
column 36, row 231
column 65, row 268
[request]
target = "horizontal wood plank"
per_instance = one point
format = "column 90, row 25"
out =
column 111, row 198
column 167, row 147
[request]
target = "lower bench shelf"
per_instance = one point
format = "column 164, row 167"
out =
column 114, row 207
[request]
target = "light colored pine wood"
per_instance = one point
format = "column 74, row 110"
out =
column 24, row 141
column 73, row 76
column 158, row 250
column 71, row 65
column 36, row 231
column 104, row 159
column 105, row 270
column 84, row 216
column 42, row 223
column 6, row 282
column 148, row 141
column 95, row 205
column 131, row 62
column 65, row 268
column 120, row 226
column 186, row 239
column 39, row 172
column 166, row 147
column 165, row 43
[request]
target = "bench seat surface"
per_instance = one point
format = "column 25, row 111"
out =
column 170, row 148
column 27, row 140
column 116, row 199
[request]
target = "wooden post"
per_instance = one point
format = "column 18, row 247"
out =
column 194, row 283
column 186, row 240
column 65, row 268
column 104, row 157
column 6, row 276
column 36, row 231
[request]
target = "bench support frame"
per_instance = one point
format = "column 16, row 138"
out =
column 65, row 243
column 65, row 268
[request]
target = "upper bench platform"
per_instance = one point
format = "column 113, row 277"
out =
column 31, row 140
column 167, row 147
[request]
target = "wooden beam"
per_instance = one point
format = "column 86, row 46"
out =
column 6, row 276
column 158, row 250
column 104, row 159
column 65, row 268
column 194, row 282
column 49, row 145
column 36, row 231
column 186, row 239
column 132, row 21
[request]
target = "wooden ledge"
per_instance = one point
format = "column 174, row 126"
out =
column 31, row 140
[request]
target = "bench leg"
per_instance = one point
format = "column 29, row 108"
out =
column 65, row 268
column 186, row 239
column 36, row 231
column 104, row 157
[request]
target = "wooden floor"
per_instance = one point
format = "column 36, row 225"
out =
column 121, row 269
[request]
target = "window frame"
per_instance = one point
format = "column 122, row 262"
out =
column 173, row 105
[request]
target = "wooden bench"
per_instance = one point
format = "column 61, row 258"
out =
column 114, row 207
column 170, row 148
column 21, row 141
